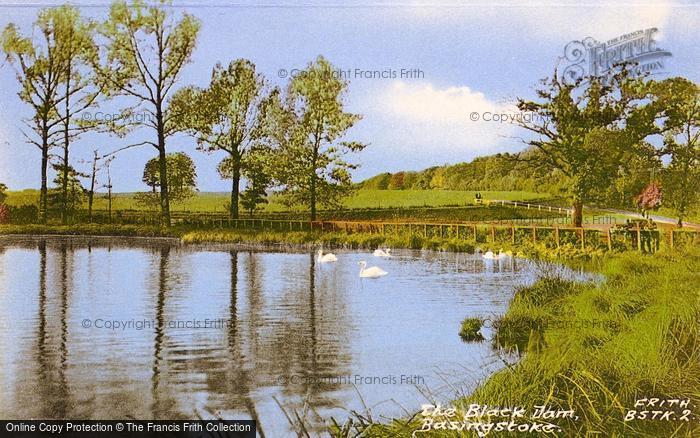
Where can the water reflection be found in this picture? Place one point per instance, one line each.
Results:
(220, 332)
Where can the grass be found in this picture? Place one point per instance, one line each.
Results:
(418, 198)
(215, 201)
(470, 329)
(90, 230)
(598, 348)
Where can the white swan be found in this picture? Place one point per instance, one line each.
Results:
(489, 255)
(373, 272)
(326, 258)
(382, 253)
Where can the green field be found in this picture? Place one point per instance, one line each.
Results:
(215, 201)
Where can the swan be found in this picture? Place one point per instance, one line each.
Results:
(489, 255)
(382, 253)
(373, 272)
(325, 258)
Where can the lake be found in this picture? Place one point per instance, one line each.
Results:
(108, 328)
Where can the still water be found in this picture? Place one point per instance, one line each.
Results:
(98, 328)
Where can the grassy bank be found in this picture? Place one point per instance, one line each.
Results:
(91, 230)
(597, 349)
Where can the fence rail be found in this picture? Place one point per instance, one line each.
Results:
(599, 237)
(531, 206)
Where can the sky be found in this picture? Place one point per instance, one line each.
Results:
(418, 71)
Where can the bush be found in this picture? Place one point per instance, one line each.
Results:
(4, 214)
(470, 329)
(24, 214)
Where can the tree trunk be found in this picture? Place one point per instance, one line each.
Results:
(235, 186)
(91, 193)
(312, 187)
(66, 145)
(44, 192)
(164, 196)
(578, 213)
(64, 186)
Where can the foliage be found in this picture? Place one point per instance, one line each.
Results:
(470, 328)
(257, 172)
(3, 194)
(493, 172)
(182, 178)
(38, 66)
(24, 214)
(649, 198)
(681, 178)
(4, 214)
(311, 152)
(69, 201)
(144, 56)
(588, 129)
(225, 116)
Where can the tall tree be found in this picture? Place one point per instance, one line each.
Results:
(681, 178)
(224, 116)
(79, 87)
(146, 52)
(587, 129)
(312, 168)
(38, 64)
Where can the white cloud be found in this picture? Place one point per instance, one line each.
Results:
(454, 122)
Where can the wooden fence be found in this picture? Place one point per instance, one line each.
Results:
(603, 237)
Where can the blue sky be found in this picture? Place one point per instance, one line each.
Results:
(472, 57)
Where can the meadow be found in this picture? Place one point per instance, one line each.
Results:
(215, 202)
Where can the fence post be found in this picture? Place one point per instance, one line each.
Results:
(583, 238)
(493, 234)
(475, 233)
(671, 239)
(556, 235)
(534, 234)
(639, 240)
(512, 234)
(609, 235)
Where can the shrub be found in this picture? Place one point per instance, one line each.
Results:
(24, 214)
(470, 329)
(4, 214)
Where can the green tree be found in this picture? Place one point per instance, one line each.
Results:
(224, 117)
(257, 172)
(681, 178)
(397, 181)
(182, 178)
(145, 53)
(67, 203)
(38, 65)
(588, 129)
(79, 87)
(312, 168)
